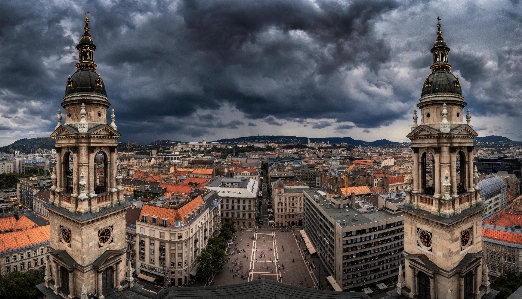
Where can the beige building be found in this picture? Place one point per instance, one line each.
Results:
(169, 240)
(443, 209)
(86, 206)
(239, 204)
(288, 203)
(357, 248)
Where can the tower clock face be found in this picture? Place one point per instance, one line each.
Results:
(465, 237)
(104, 235)
(424, 238)
(66, 235)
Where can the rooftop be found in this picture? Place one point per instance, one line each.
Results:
(348, 215)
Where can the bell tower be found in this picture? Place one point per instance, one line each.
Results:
(443, 209)
(86, 207)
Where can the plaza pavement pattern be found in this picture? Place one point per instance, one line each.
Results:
(265, 253)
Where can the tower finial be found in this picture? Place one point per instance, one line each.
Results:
(86, 28)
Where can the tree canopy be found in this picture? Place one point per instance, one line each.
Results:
(21, 285)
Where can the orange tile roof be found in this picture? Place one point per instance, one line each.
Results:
(176, 188)
(199, 182)
(357, 190)
(510, 237)
(251, 170)
(7, 223)
(171, 214)
(505, 219)
(24, 223)
(395, 179)
(23, 238)
(205, 171)
(154, 178)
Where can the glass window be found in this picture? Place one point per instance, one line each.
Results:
(151, 232)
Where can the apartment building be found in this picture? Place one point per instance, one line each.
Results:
(23, 244)
(239, 199)
(357, 248)
(168, 240)
(287, 203)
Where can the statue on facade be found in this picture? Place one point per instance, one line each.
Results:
(113, 120)
(444, 124)
(82, 184)
(84, 292)
(59, 118)
(476, 178)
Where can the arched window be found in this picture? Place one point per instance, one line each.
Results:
(461, 172)
(67, 172)
(100, 172)
(427, 175)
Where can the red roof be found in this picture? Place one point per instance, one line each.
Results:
(24, 238)
(171, 214)
(396, 179)
(506, 236)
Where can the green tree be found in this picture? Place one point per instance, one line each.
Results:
(21, 285)
(507, 284)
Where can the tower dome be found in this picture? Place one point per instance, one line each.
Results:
(441, 80)
(85, 79)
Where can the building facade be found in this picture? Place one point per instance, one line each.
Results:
(357, 249)
(493, 191)
(288, 203)
(443, 208)
(239, 200)
(168, 240)
(86, 206)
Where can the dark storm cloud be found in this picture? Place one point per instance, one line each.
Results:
(344, 127)
(193, 68)
(271, 121)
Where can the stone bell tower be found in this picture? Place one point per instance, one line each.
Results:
(443, 209)
(86, 207)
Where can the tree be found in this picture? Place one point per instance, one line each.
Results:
(21, 285)
(507, 284)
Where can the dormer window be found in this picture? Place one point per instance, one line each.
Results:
(164, 222)
(144, 218)
(154, 219)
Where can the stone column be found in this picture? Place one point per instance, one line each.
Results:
(433, 287)
(92, 173)
(415, 170)
(478, 280)
(436, 173)
(117, 277)
(59, 170)
(445, 160)
(71, 284)
(414, 282)
(469, 178)
(453, 171)
(99, 286)
(56, 276)
(461, 287)
(76, 170)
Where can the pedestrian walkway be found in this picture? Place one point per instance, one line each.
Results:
(266, 253)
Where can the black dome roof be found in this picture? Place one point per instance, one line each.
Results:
(441, 81)
(85, 80)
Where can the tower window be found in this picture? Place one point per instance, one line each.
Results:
(99, 114)
(458, 114)
(427, 115)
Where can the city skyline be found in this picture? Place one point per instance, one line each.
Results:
(223, 69)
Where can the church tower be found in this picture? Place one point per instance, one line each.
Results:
(443, 209)
(86, 207)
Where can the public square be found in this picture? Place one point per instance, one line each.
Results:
(265, 253)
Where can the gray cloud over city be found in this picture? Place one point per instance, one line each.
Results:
(190, 70)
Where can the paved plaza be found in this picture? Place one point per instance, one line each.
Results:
(266, 253)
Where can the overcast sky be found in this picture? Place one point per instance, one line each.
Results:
(193, 70)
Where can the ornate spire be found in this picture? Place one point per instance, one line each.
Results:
(440, 52)
(86, 48)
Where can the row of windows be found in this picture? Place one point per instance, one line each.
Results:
(371, 257)
(372, 229)
(373, 237)
(239, 208)
(22, 265)
(239, 215)
(372, 244)
(385, 261)
(22, 256)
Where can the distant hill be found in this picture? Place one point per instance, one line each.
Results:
(493, 138)
(304, 140)
(27, 146)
